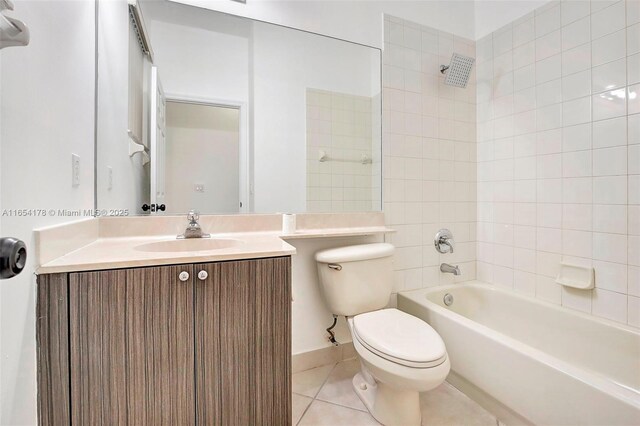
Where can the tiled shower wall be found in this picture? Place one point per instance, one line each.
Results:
(339, 126)
(559, 154)
(429, 148)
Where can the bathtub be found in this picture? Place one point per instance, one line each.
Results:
(533, 362)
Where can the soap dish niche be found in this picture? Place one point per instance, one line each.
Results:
(576, 276)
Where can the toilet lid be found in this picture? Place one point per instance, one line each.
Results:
(400, 337)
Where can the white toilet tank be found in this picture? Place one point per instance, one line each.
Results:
(356, 279)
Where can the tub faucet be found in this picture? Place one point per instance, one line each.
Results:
(450, 269)
(193, 229)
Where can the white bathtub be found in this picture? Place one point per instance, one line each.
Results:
(531, 361)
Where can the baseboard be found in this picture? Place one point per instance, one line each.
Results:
(319, 357)
(505, 414)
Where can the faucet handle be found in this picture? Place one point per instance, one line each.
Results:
(444, 237)
(193, 216)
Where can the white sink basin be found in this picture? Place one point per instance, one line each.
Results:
(189, 244)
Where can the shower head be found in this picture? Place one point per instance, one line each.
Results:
(458, 70)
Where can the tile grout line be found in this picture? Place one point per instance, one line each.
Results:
(313, 399)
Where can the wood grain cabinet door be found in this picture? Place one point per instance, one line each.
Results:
(243, 343)
(131, 347)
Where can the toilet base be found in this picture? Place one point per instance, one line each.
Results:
(389, 406)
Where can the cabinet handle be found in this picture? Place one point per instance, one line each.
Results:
(202, 275)
(184, 276)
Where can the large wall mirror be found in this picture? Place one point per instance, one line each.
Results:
(207, 111)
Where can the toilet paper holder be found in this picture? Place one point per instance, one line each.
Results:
(13, 257)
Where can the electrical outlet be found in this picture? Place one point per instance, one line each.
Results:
(198, 187)
(109, 177)
(75, 170)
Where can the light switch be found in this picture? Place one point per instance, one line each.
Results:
(198, 187)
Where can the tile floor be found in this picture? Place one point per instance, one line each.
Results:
(324, 396)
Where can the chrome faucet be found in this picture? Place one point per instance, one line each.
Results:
(444, 237)
(450, 269)
(193, 229)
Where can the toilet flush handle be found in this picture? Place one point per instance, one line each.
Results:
(335, 266)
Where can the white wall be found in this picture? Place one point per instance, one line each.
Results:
(130, 186)
(203, 147)
(559, 155)
(47, 97)
(196, 61)
(353, 20)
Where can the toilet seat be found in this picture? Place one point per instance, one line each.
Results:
(400, 338)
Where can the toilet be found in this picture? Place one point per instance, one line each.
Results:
(400, 355)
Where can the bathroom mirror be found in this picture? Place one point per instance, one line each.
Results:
(202, 110)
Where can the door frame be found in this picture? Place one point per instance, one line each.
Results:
(243, 148)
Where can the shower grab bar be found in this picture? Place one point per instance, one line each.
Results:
(323, 157)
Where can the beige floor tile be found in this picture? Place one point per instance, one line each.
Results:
(338, 388)
(299, 403)
(446, 405)
(308, 382)
(323, 413)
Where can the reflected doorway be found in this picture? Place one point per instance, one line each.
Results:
(202, 164)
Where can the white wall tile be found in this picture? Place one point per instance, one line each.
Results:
(577, 190)
(524, 55)
(634, 99)
(548, 45)
(608, 48)
(548, 290)
(549, 69)
(572, 10)
(610, 218)
(608, 20)
(609, 104)
(524, 32)
(576, 138)
(633, 39)
(610, 190)
(609, 76)
(579, 300)
(577, 111)
(610, 247)
(633, 12)
(633, 69)
(609, 133)
(611, 276)
(577, 59)
(610, 305)
(634, 311)
(549, 93)
(610, 161)
(576, 243)
(547, 21)
(576, 33)
(577, 217)
(577, 164)
(576, 85)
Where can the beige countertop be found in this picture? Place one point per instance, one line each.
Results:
(126, 252)
(91, 245)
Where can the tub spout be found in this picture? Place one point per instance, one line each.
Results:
(450, 269)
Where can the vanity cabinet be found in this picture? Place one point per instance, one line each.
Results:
(170, 345)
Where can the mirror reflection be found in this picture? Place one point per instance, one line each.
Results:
(229, 115)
